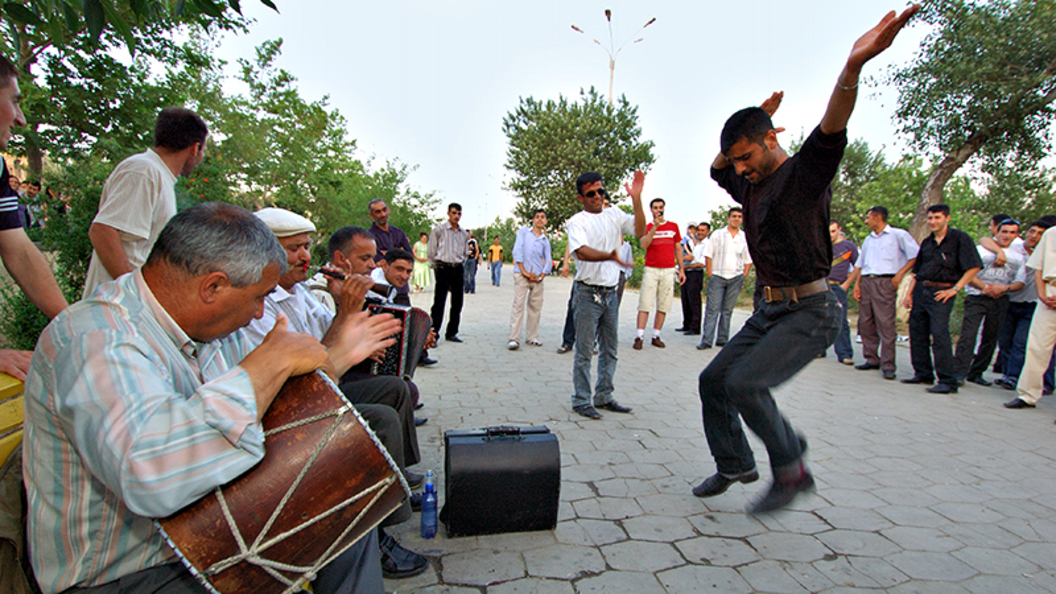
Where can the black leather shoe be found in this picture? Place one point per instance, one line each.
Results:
(416, 502)
(419, 406)
(1018, 403)
(1005, 383)
(702, 346)
(720, 344)
(587, 411)
(781, 493)
(692, 333)
(980, 381)
(561, 350)
(427, 362)
(414, 479)
(453, 339)
(419, 421)
(942, 389)
(918, 380)
(717, 484)
(614, 406)
(866, 367)
(398, 562)
(889, 374)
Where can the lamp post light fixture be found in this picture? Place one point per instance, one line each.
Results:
(612, 50)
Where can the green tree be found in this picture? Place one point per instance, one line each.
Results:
(982, 88)
(552, 142)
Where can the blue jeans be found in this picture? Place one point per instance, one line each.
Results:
(596, 311)
(469, 275)
(1014, 352)
(842, 346)
(496, 272)
(779, 339)
(722, 297)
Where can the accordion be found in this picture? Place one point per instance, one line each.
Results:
(402, 357)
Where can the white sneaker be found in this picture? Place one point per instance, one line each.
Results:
(513, 345)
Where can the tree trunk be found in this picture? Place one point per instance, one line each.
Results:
(933, 188)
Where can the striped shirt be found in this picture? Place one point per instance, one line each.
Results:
(532, 251)
(9, 215)
(604, 232)
(447, 244)
(728, 252)
(127, 419)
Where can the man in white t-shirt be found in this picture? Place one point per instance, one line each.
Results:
(139, 196)
(595, 237)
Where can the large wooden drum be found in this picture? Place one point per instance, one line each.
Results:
(325, 481)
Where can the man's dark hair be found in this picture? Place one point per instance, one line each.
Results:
(835, 222)
(1007, 223)
(8, 70)
(496, 237)
(1045, 222)
(398, 254)
(178, 128)
(537, 211)
(708, 225)
(585, 180)
(944, 209)
(998, 218)
(370, 205)
(655, 200)
(751, 124)
(35, 184)
(341, 240)
(455, 206)
(221, 237)
(736, 209)
(880, 210)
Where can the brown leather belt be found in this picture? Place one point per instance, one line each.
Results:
(772, 294)
(937, 285)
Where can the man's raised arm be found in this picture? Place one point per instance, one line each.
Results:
(868, 46)
(635, 190)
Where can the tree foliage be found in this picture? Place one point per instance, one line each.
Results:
(552, 142)
(981, 88)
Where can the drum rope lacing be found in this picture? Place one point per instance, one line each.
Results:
(252, 554)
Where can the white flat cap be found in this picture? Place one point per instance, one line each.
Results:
(284, 223)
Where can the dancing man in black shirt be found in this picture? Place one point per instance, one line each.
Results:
(786, 213)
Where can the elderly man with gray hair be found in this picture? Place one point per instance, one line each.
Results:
(158, 363)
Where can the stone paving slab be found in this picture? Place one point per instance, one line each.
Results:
(917, 493)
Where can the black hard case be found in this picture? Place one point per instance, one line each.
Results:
(500, 479)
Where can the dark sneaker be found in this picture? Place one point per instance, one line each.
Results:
(782, 492)
(398, 562)
(587, 411)
(614, 406)
(1018, 403)
(717, 484)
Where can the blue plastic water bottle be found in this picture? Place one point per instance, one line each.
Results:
(429, 507)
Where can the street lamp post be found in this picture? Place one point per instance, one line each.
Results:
(612, 51)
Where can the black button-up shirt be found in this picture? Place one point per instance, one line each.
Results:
(786, 215)
(946, 262)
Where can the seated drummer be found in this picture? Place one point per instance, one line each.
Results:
(292, 299)
(146, 396)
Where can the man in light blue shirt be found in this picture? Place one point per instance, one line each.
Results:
(532, 263)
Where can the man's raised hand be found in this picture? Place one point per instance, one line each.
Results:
(634, 188)
(879, 38)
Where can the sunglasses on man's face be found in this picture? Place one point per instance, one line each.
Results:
(600, 192)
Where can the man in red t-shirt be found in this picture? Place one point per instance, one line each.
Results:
(662, 243)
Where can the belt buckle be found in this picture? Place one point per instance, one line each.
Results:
(768, 295)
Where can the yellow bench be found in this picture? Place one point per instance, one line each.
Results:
(10, 415)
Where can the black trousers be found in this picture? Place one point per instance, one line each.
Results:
(779, 339)
(990, 312)
(929, 335)
(691, 305)
(449, 279)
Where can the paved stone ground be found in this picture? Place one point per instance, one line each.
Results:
(916, 492)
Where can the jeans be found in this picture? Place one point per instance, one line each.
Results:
(469, 272)
(929, 334)
(691, 292)
(496, 273)
(842, 346)
(449, 279)
(779, 339)
(722, 297)
(1017, 326)
(568, 336)
(596, 311)
(990, 313)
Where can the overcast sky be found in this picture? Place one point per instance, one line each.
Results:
(429, 83)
